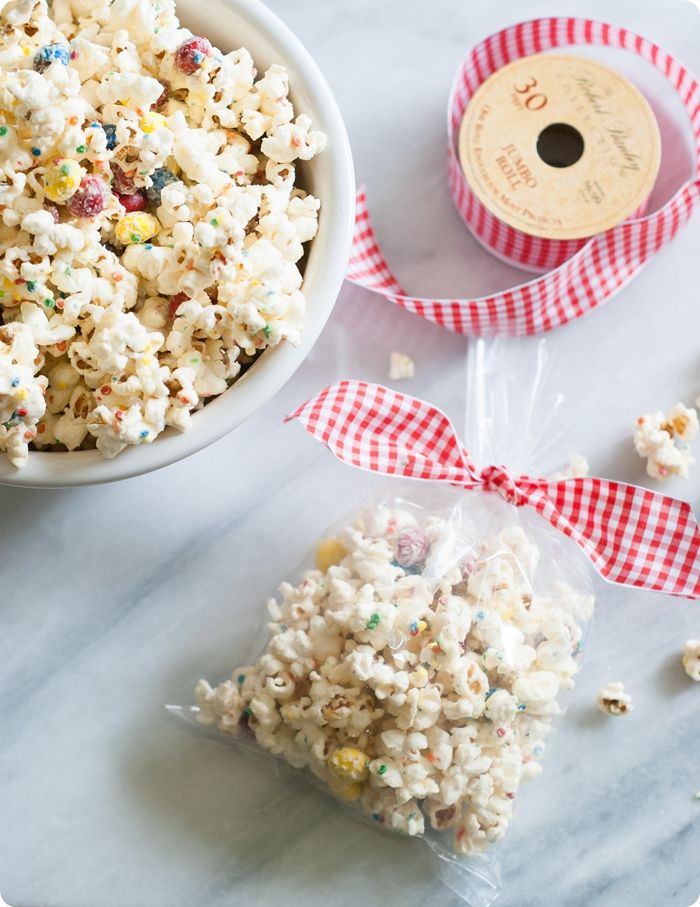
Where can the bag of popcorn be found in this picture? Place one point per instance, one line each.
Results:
(415, 669)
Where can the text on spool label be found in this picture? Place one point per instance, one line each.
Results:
(514, 168)
(534, 101)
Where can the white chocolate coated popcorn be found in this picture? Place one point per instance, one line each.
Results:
(691, 659)
(576, 468)
(401, 366)
(424, 700)
(151, 228)
(22, 402)
(664, 441)
(613, 700)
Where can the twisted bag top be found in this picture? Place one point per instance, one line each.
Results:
(599, 267)
(632, 536)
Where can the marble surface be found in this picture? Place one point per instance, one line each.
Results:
(114, 600)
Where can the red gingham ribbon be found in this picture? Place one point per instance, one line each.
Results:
(632, 536)
(586, 273)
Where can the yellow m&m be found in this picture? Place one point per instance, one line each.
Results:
(330, 552)
(136, 227)
(343, 791)
(62, 179)
(349, 764)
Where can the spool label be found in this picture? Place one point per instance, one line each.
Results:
(559, 146)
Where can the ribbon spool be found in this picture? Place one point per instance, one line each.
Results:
(556, 149)
(597, 267)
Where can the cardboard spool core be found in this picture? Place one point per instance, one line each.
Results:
(559, 146)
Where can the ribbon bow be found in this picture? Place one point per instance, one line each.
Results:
(631, 535)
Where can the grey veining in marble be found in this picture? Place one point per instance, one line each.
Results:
(115, 599)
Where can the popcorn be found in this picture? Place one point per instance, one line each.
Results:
(289, 141)
(70, 428)
(133, 181)
(151, 121)
(665, 440)
(576, 468)
(400, 366)
(421, 700)
(612, 699)
(691, 659)
(22, 401)
(537, 689)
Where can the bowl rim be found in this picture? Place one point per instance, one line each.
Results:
(258, 385)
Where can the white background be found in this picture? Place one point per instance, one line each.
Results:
(114, 600)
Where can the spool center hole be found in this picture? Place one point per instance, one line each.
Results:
(560, 145)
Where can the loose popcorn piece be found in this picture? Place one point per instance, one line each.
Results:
(423, 693)
(691, 659)
(612, 699)
(665, 440)
(576, 468)
(139, 165)
(400, 366)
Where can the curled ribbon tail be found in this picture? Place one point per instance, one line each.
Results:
(631, 535)
(380, 430)
(367, 266)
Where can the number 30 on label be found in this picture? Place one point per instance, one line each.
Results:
(533, 100)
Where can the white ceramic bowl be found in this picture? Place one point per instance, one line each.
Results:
(230, 24)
